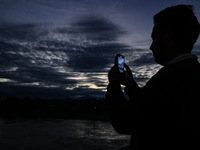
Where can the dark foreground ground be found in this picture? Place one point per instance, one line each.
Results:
(58, 134)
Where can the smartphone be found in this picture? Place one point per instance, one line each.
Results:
(119, 61)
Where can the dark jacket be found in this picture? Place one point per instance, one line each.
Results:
(165, 113)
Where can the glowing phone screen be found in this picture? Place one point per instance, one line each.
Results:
(121, 63)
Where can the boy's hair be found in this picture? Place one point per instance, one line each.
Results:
(182, 21)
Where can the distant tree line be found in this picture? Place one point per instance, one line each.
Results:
(90, 109)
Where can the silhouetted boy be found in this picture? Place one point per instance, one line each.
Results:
(165, 113)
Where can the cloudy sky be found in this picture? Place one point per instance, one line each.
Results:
(64, 48)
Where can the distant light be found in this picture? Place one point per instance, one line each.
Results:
(6, 80)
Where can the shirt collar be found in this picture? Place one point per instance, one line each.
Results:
(182, 57)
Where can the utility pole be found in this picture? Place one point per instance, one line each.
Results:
(94, 108)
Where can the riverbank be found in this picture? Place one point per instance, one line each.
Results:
(88, 109)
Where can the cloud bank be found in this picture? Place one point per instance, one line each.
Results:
(67, 60)
(72, 59)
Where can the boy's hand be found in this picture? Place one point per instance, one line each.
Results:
(125, 78)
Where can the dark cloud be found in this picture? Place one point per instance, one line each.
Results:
(98, 28)
(100, 39)
(40, 58)
(144, 59)
(21, 32)
(96, 58)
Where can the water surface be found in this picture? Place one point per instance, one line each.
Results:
(59, 134)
